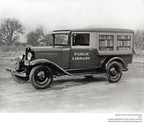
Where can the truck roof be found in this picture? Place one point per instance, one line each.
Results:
(118, 30)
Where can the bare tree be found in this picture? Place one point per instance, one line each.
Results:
(35, 37)
(10, 29)
(139, 39)
(48, 39)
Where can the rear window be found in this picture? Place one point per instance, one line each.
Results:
(123, 42)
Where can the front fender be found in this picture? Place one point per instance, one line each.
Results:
(39, 61)
(47, 62)
(118, 59)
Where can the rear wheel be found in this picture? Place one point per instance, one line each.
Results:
(41, 77)
(114, 71)
(15, 77)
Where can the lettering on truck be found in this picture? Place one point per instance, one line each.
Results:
(81, 56)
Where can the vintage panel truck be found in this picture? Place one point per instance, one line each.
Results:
(77, 52)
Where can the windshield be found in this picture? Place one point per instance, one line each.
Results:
(61, 39)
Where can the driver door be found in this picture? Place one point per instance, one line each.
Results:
(82, 55)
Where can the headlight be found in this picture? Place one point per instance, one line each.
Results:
(29, 56)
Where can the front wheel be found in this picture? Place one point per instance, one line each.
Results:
(41, 77)
(114, 71)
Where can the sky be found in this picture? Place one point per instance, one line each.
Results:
(75, 14)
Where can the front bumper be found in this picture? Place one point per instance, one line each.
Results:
(20, 74)
(23, 67)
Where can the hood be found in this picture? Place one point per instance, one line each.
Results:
(54, 54)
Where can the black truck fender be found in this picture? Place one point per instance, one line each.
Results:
(118, 59)
(49, 63)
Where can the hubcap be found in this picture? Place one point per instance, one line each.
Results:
(114, 72)
(41, 77)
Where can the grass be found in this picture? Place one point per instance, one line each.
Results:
(12, 48)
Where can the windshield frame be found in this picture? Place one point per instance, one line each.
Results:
(61, 33)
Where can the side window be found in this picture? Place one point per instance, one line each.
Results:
(81, 39)
(106, 42)
(123, 42)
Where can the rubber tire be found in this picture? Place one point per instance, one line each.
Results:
(18, 78)
(108, 75)
(33, 79)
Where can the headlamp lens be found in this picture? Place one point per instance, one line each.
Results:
(29, 56)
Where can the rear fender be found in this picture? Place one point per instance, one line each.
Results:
(49, 63)
(118, 59)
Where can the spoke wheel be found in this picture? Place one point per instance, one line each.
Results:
(114, 71)
(41, 77)
(18, 78)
